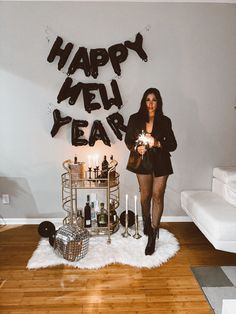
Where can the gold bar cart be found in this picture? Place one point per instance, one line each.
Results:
(82, 180)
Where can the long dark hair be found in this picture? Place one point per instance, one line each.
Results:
(143, 112)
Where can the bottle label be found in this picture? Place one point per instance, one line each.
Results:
(114, 218)
(87, 222)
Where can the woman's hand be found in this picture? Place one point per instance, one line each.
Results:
(141, 149)
(151, 140)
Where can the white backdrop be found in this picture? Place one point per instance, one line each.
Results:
(191, 50)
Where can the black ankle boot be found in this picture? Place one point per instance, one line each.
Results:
(146, 224)
(150, 248)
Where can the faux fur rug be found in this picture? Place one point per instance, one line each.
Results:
(127, 251)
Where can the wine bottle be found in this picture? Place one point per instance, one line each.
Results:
(88, 199)
(87, 214)
(105, 166)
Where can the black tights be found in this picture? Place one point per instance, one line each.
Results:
(152, 188)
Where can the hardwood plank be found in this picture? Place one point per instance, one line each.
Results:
(170, 288)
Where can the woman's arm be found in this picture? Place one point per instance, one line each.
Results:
(130, 136)
(168, 140)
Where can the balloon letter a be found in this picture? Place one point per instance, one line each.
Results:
(80, 61)
(98, 133)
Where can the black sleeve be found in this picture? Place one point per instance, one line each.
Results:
(130, 136)
(168, 140)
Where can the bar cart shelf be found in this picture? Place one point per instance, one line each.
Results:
(73, 181)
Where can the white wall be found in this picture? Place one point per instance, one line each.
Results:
(191, 50)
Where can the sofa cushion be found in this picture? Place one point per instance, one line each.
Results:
(227, 191)
(213, 215)
(225, 174)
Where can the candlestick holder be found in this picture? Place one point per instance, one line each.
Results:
(126, 234)
(97, 170)
(95, 173)
(136, 235)
(90, 172)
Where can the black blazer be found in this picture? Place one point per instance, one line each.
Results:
(160, 157)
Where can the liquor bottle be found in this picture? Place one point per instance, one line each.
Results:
(112, 166)
(87, 214)
(96, 207)
(112, 162)
(105, 166)
(113, 214)
(93, 214)
(102, 217)
(80, 218)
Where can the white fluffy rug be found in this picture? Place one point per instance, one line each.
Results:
(127, 251)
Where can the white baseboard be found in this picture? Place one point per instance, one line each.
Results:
(28, 221)
(37, 221)
(176, 219)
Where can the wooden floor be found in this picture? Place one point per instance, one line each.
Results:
(170, 288)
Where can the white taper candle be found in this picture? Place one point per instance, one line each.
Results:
(89, 161)
(126, 203)
(96, 160)
(135, 205)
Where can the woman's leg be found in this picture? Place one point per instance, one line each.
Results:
(159, 186)
(145, 186)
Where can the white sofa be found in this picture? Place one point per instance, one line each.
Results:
(214, 212)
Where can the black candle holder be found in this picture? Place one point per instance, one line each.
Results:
(97, 170)
(95, 173)
(90, 172)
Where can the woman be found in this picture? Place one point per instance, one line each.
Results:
(151, 160)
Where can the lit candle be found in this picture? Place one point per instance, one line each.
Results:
(126, 204)
(96, 160)
(89, 161)
(135, 205)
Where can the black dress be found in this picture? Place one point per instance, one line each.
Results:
(155, 161)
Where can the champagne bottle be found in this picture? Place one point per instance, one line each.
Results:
(102, 217)
(87, 214)
(105, 166)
